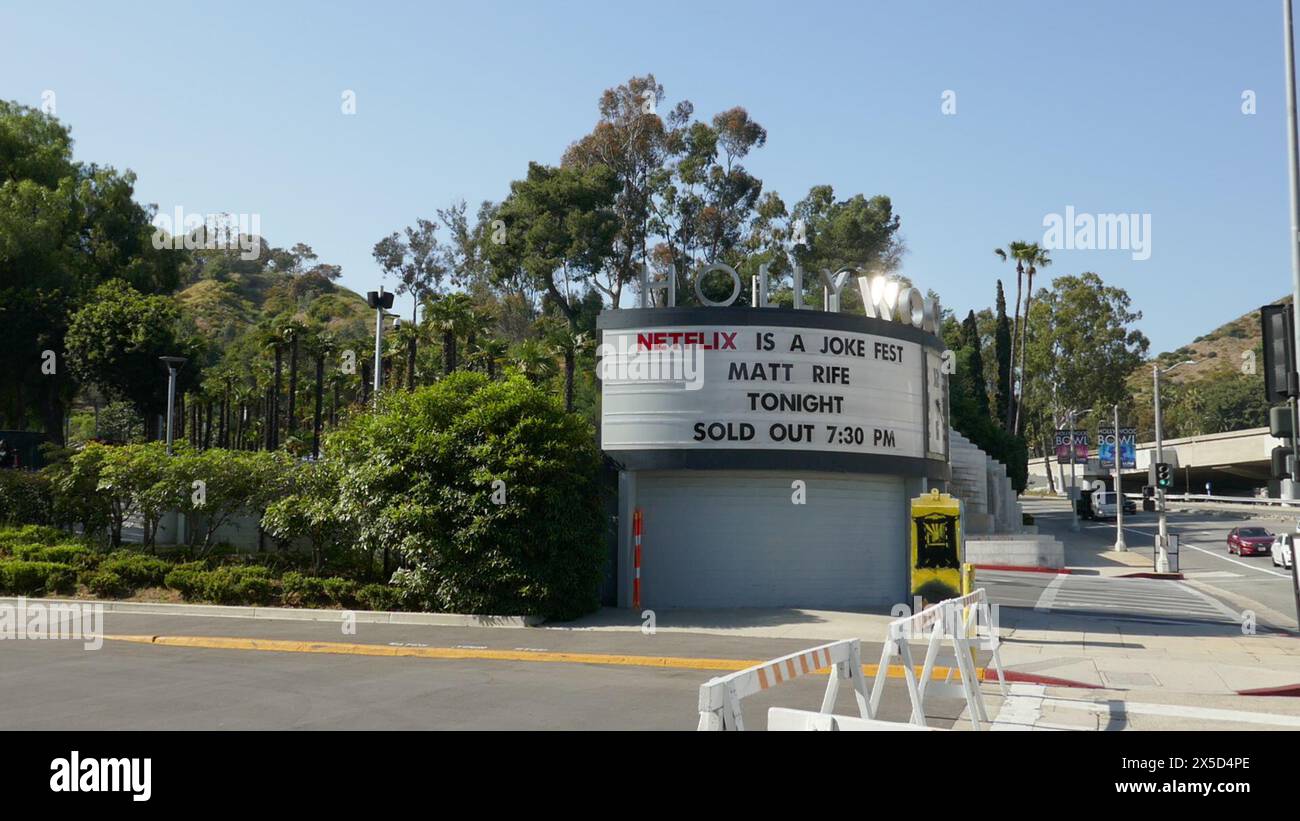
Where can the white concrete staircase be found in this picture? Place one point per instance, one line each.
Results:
(995, 529)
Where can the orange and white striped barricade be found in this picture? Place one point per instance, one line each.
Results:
(720, 697)
(953, 618)
(637, 524)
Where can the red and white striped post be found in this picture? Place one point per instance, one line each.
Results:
(636, 559)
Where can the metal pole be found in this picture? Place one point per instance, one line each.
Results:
(1120, 547)
(1293, 160)
(1162, 539)
(379, 341)
(171, 404)
(1074, 505)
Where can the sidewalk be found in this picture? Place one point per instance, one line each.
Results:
(1148, 675)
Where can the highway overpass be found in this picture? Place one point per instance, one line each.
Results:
(1236, 463)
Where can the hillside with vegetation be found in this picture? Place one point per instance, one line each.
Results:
(1212, 384)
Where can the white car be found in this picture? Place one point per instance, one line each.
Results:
(1103, 505)
(1282, 552)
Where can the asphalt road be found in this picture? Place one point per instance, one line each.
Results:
(125, 685)
(1239, 582)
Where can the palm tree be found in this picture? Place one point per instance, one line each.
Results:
(292, 331)
(566, 343)
(491, 351)
(323, 345)
(1034, 256)
(1017, 251)
(534, 360)
(480, 322)
(407, 337)
(273, 340)
(449, 314)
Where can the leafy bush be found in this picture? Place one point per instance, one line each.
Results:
(67, 553)
(233, 585)
(28, 578)
(299, 589)
(309, 509)
(185, 578)
(342, 592)
(31, 534)
(379, 597)
(234, 482)
(417, 478)
(135, 569)
(105, 584)
(25, 498)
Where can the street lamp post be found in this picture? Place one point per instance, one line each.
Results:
(173, 364)
(1120, 546)
(1293, 178)
(1162, 538)
(1074, 506)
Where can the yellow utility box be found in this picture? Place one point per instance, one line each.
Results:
(938, 547)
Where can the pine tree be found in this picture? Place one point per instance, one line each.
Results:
(1002, 349)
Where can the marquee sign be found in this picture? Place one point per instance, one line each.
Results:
(805, 387)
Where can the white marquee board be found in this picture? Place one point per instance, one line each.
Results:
(767, 387)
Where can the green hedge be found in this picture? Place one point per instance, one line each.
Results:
(29, 534)
(224, 585)
(61, 553)
(135, 569)
(28, 578)
(39, 560)
(105, 584)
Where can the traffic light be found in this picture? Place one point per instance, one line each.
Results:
(1164, 475)
(1279, 351)
(1279, 421)
(1281, 463)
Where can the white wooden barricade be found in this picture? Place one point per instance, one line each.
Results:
(782, 718)
(957, 618)
(720, 697)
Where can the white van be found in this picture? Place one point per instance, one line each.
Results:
(1103, 505)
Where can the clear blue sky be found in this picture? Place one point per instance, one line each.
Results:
(1108, 107)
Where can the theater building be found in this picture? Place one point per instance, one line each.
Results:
(772, 452)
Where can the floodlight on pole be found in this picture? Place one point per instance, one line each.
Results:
(380, 301)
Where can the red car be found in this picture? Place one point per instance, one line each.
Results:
(1250, 541)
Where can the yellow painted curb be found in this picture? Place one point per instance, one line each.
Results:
(350, 649)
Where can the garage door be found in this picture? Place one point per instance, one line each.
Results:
(735, 539)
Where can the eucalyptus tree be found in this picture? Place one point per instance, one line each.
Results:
(417, 259)
(631, 139)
